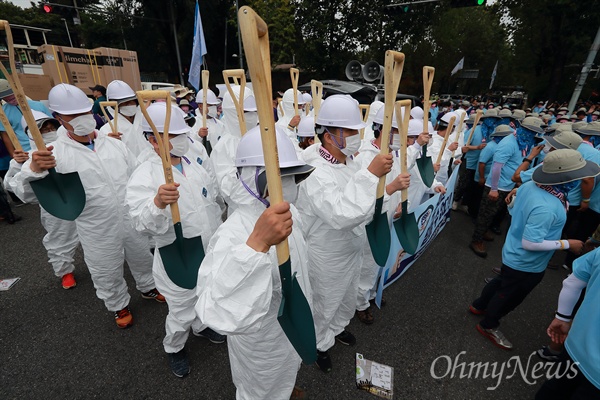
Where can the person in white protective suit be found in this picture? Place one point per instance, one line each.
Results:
(308, 107)
(289, 120)
(104, 228)
(239, 287)
(335, 202)
(61, 239)
(214, 127)
(148, 198)
(373, 109)
(395, 181)
(306, 133)
(418, 191)
(128, 119)
(452, 145)
(223, 155)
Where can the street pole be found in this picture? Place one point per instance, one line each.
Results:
(176, 43)
(585, 70)
(237, 7)
(68, 33)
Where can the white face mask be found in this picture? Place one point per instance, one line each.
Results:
(352, 145)
(212, 112)
(547, 148)
(290, 189)
(83, 125)
(49, 137)
(251, 118)
(395, 146)
(181, 145)
(128, 111)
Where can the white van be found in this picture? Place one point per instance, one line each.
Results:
(158, 86)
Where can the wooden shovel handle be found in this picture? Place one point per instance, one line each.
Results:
(295, 75)
(448, 132)
(256, 47)
(240, 78)
(113, 123)
(9, 131)
(205, 76)
(403, 125)
(144, 98)
(394, 64)
(459, 130)
(428, 73)
(475, 123)
(15, 84)
(364, 110)
(316, 88)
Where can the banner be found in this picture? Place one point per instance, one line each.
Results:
(198, 51)
(432, 217)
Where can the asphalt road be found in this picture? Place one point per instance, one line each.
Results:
(59, 343)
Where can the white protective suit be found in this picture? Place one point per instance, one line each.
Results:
(335, 202)
(216, 128)
(200, 216)
(104, 227)
(287, 104)
(375, 106)
(433, 149)
(239, 294)
(132, 134)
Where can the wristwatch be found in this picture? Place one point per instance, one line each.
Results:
(526, 160)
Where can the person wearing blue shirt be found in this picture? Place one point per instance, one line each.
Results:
(539, 108)
(581, 335)
(538, 216)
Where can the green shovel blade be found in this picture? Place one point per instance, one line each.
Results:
(295, 316)
(407, 230)
(62, 195)
(182, 259)
(379, 235)
(426, 168)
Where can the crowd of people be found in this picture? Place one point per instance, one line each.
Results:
(536, 167)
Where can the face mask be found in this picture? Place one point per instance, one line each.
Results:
(245, 177)
(547, 148)
(181, 145)
(83, 125)
(566, 187)
(352, 144)
(497, 139)
(212, 111)
(128, 111)
(290, 189)
(251, 118)
(49, 137)
(395, 146)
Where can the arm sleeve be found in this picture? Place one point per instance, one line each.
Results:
(545, 245)
(496, 171)
(569, 295)
(21, 186)
(145, 215)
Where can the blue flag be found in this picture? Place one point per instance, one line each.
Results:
(198, 51)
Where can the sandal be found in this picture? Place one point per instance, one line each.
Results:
(365, 316)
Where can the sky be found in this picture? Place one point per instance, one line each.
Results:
(21, 3)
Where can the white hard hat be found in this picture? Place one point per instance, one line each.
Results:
(340, 111)
(307, 97)
(417, 112)
(119, 91)
(288, 96)
(211, 98)
(40, 119)
(158, 112)
(446, 117)
(5, 89)
(415, 127)
(228, 102)
(460, 113)
(67, 99)
(306, 127)
(379, 117)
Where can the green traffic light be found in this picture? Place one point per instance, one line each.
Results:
(405, 9)
(480, 2)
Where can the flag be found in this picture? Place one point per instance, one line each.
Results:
(494, 74)
(458, 67)
(198, 51)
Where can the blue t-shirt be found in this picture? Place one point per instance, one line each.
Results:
(472, 156)
(526, 175)
(583, 342)
(486, 156)
(507, 153)
(13, 113)
(536, 216)
(589, 153)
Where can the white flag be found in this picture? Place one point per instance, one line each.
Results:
(494, 74)
(458, 67)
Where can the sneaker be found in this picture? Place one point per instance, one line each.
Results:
(346, 338)
(497, 270)
(475, 311)
(154, 294)
(478, 248)
(365, 316)
(463, 209)
(324, 361)
(298, 393)
(123, 318)
(496, 337)
(179, 363)
(68, 281)
(566, 267)
(11, 218)
(488, 280)
(211, 335)
(548, 354)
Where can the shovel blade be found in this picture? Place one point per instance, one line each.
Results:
(407, 230)
(426, 168)
(182, 259)
(295, 316)
(379, 235)
(62, 195)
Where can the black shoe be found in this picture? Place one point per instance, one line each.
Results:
(179, 363)
(211, 335)
(324, 361)
(488, 280)
(11, 218)
(346, 338)
(496, 230)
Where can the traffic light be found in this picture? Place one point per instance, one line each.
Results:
(47, 8)
(466, 3)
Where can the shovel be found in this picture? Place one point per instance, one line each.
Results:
(237, 75)
(477, 118)
(364, 111)
(205, 76)
(295, 315)
(183, 257)
(62, 195)
(9, 131)
(378, 230)
(459, 131)
(316, 88)
(446, 136)
(406, 226)
(295, 76)
(424, 163)
(112, 123)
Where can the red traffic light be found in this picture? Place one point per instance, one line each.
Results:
(47, 8)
